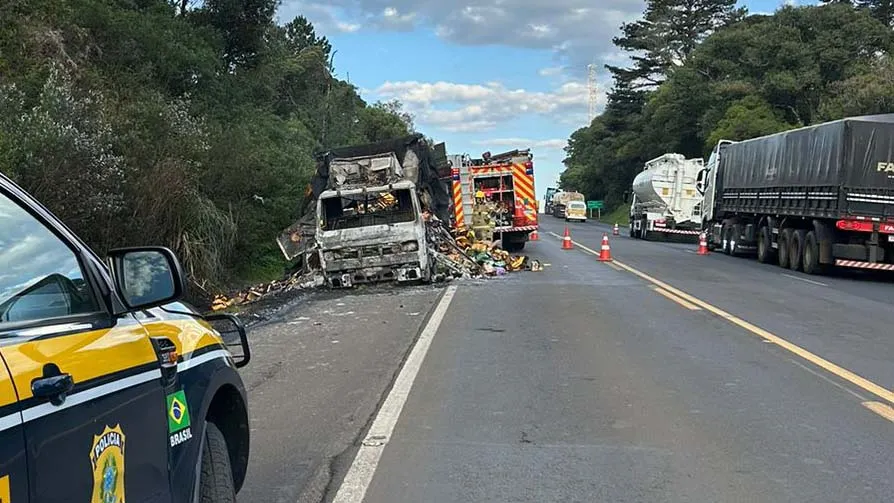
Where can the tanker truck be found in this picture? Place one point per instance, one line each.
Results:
(665, 198)
(807, 199)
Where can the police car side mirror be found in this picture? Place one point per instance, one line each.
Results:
(232, 331)
(147, 277)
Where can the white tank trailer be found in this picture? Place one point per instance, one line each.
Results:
(665, 200)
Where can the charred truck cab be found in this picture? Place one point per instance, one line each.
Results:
(806, 199)
(372, 234)
(370, 207)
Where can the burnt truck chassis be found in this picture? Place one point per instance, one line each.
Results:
(346, 273)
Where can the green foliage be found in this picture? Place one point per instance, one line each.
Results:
(760, 75)
(747, 118)
(668, 32)
(866, 93)
(174, 122)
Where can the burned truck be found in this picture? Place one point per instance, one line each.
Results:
(369, 203)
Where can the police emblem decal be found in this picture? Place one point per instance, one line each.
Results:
(107, 460)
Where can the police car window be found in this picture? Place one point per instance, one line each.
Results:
(40, 277)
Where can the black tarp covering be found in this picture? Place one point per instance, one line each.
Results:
(846, 153)
(427, 179)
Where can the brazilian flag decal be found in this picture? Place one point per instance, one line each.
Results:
(178, 412)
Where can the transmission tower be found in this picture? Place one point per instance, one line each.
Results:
(591, 90)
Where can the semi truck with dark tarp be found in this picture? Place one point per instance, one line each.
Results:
(807, 199)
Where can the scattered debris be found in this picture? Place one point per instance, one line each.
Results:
(457, 254)
(298, 281)
(463, 255)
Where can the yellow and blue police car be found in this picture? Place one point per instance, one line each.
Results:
(112, 390)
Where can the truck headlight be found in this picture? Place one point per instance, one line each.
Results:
(328, 255)
(410, 246)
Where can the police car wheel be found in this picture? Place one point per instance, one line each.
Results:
(217, 475)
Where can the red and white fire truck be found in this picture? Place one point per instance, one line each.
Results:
(505, 179)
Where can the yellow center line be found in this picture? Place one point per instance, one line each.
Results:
(678, 300)
(886, 411)
(830, 367)
(843, 373)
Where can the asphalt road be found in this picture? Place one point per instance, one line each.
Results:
(846, 318)
(585, 383)
(319, 369)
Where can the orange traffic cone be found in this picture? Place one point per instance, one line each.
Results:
(534, 236)
(566, 240)
(702, 244)
(615, 231)
(605, 254)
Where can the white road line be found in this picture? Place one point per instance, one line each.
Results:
(353, 488)
(804, 280)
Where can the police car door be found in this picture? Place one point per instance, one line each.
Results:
(88, 383)
(13, 472)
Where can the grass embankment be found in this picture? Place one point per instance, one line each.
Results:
(619, 215)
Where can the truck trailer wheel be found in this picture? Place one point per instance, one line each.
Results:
(764, 246)
(725, 233)
(735, 235)
(811, 254)
(796, 250)
(785, 238)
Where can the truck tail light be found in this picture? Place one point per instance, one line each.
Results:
(854, 225)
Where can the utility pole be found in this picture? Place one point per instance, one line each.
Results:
(591, 90)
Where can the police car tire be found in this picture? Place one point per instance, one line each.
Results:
(217, 475)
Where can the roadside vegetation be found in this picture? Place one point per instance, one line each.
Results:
(704, 71)
(177, 122)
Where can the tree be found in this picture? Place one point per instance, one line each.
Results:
(181, 123)
(863, 94)
(300, 35)
(667, 34)
(747, 118)
(242, 25)
(760, 75)
(396, 108)
(883, 10)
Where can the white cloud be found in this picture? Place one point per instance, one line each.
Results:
(551, 71)
(393, 19)
(346, 27)
(481, 107)
(324, 16)
(576, 30)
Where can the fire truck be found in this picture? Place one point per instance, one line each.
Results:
(507, 180)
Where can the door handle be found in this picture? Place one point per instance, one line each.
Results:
(53, 387)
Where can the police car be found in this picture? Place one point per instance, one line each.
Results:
(111, 389)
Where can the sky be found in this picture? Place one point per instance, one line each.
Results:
(482, 75)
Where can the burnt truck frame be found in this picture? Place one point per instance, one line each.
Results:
(807, 199)
(365, 247)
(369, 204)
